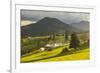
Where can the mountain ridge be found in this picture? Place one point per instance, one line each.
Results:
(47, 26)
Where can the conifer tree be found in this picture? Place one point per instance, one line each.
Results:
(74, 43)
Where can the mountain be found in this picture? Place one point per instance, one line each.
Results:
(47, 26)
(83, 25)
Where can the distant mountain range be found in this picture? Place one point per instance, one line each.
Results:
(49, 25)
(83, 25)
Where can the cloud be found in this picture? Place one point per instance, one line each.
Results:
(26, 22)
(67, 17)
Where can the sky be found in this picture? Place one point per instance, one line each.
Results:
(32, 16)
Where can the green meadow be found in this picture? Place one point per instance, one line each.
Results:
(52, 48)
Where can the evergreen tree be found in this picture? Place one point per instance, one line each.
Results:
(74, 43)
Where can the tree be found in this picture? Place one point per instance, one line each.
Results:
(66, 37)
(53, 36)
(74, 43)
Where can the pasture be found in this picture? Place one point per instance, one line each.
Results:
(51, 48)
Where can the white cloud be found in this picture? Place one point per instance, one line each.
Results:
(26, 22)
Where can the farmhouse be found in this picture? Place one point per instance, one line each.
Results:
(50, 46)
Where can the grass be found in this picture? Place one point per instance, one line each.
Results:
(35, 55)
(42, 55)
(56, 55)
(81, 55)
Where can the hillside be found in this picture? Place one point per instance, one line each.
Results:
(56, 55)
(83, 25)
(47, 26)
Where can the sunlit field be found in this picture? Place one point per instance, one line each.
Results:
(52, 48)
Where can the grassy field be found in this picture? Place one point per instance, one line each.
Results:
(41, 55)
(30, 49)
(56, 55)
(80, 55)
